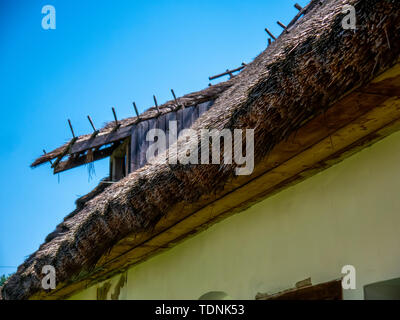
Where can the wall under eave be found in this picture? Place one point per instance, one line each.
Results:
(347, 214)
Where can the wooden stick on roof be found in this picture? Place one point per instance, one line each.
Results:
(155, 102)
(228, 72)
(95, 132)
(72, 129)
(64, 153)
(44, 152)
(176, 101)
(67, 148)
(282, 25)
(136, 110)
(298, 7)
(302, 11)
(115, 118)
(91, 123)
(270, 33)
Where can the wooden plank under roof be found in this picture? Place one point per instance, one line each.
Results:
(109, 133)
(185, 117)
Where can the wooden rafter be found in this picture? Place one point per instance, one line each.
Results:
(102, 139)
(65, 152)
(78, 160)
(331, 290)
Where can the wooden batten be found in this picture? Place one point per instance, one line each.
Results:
(102, 139)
(65, 151)
(331, 290)
(184, 117)
(75, 161)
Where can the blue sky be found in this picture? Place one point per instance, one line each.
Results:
(102, 54)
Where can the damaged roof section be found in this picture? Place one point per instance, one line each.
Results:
(102, 143)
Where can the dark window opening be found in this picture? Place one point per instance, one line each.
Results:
(119, 161)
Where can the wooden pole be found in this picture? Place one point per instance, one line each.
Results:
(155, 102)
(173, 94)
(115, 117)
(298, 7)
(44, 152)
(65, 152)
(175, 99)
(72, 129)
(230, 72)
(95, 132)
(301, 12)
(270, 33)
(136, 110)
(91, 123)
(282, 25)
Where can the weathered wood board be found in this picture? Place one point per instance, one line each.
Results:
(184, 118)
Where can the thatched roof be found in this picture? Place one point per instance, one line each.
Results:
(297, 78)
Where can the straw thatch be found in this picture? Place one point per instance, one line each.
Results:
(296, 78)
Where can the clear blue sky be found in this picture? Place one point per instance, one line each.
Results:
(102, 54)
